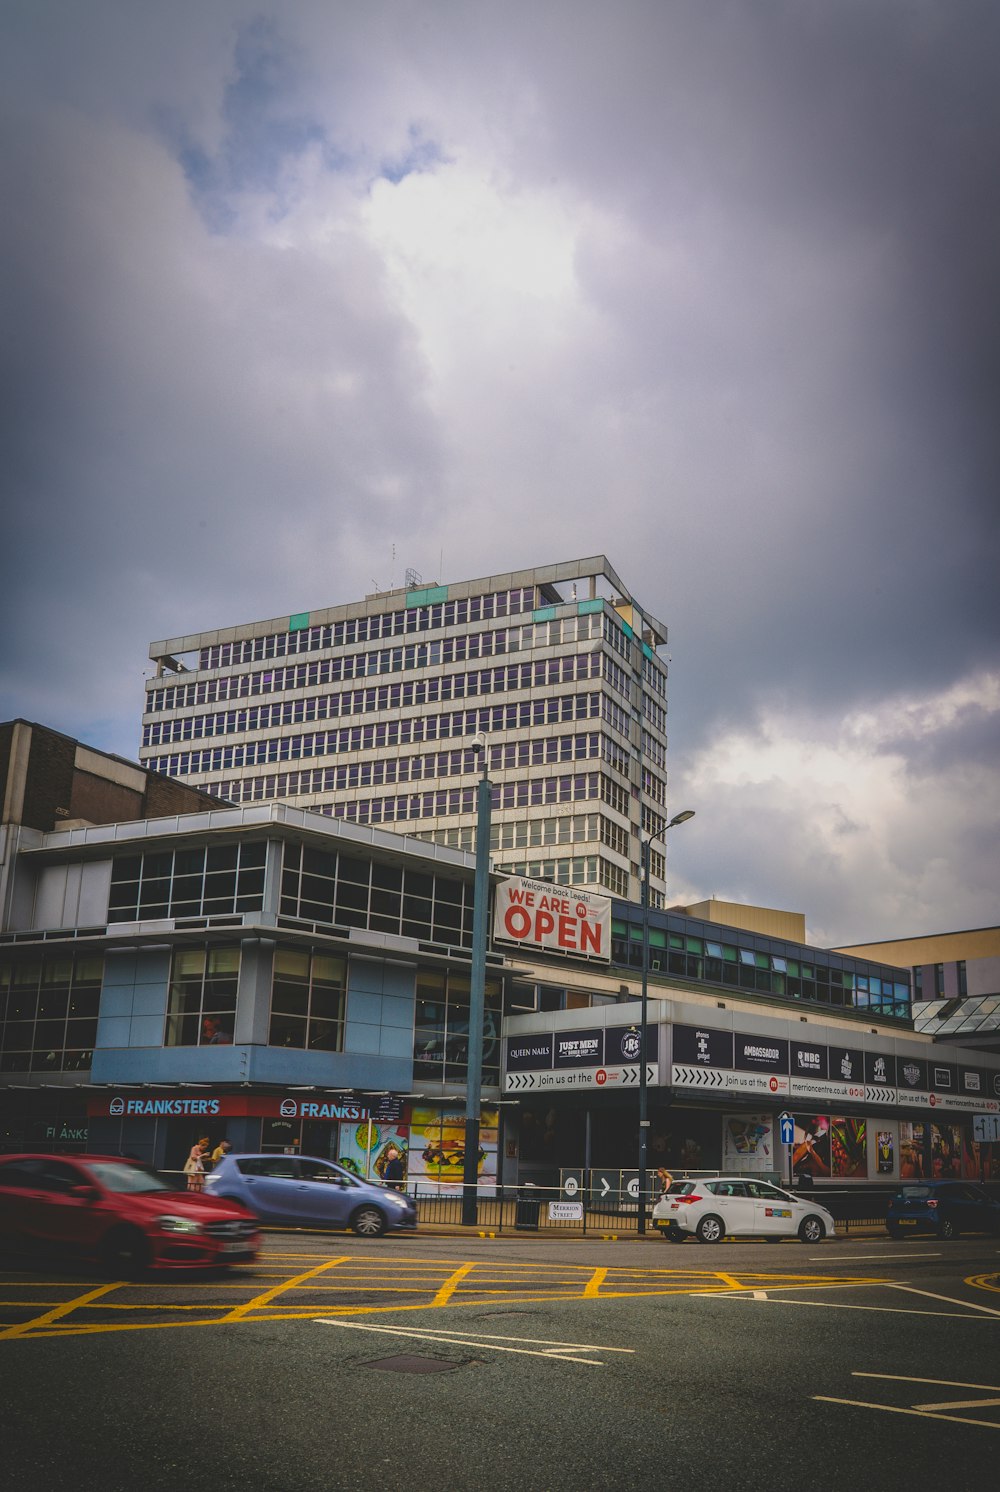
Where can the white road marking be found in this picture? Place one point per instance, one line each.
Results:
(950, 1419)
(831, 1305)
(559, 1351)
(909, 1254)
(928, 1411)
(986, 1388)
(948, 1299)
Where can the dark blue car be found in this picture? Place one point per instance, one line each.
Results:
(945, 1208)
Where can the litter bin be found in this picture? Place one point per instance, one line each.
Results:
(526, 1213)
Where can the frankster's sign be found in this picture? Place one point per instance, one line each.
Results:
(538, 915)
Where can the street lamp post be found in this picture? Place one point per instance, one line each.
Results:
(477, 992)
(678, 818)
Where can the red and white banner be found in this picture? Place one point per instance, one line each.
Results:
(538, 915)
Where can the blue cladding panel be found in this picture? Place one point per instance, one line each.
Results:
(146, 1030)
(362, 1006)
(396, 1043)
(361, 1038)
(397, 1013)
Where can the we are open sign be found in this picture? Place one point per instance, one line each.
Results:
(538, 915)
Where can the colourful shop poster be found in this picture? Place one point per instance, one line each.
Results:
(437, 1149)
(946, 1152)
(354, 1153)
(911, 1150)
(848, 1147)
(748, 1142)
(883, 1149)
(811, 1146)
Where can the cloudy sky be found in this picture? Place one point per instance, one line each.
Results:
(298, 295)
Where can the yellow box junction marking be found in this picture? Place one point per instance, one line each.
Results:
(473, 1283)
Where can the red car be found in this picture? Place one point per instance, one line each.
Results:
(119, 1212)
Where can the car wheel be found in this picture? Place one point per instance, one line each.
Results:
(711, 1229)
(125, 1252)
(893, 1230)
(772, 1237)
(947, 1229)
(673, 1235)
(811, 1229)
(368, 1222)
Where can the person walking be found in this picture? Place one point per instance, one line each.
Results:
(220, 1152)
(194, 1167)
(394, 1171)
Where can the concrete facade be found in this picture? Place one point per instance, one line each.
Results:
(367, 712)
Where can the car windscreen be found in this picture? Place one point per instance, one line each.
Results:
(681, 1189)
(914, 1193)
(117, 1176)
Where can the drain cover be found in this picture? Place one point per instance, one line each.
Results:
(411, 1364)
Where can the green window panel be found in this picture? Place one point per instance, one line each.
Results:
(429, 596)
(298, 622)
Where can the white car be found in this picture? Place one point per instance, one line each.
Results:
(709, 1210)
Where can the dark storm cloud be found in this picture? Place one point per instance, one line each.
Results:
(821, 179)
(237, 381)
(969, 741)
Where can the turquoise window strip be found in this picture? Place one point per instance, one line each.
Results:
(543, 614)
(298, 622)
(583, 606)
(647, 651)
(429, 596)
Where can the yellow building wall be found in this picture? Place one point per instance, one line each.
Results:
(937, 948)
(766, 920)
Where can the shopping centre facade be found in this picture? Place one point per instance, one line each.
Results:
(284, 980)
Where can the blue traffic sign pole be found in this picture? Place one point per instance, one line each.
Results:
(786, 1124)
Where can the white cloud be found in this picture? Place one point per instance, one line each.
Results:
(833, 818)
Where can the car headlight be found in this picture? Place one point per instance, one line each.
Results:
(173, 1224)
(399, 1201)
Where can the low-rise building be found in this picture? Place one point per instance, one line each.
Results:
(285, 980)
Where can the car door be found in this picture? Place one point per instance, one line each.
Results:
(734, 1205)
(775, 1214)
(20, 1193)
(271, 1187)
(969, 1208)
(325, 1195)
(64, 1219)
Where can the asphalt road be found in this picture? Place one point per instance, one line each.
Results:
(423, 1362)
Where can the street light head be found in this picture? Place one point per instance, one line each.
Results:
(681, 818)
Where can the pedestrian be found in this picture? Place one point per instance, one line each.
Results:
(394, 1171)
(220, 1152)
(194, 1167)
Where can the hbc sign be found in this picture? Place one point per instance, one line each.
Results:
(543, 916)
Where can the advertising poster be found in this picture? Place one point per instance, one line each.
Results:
(355, 1156)
(811, 1147)
(911, 1151)
(437, 1149)
(883, 1147)
(849, 1147)
(946, 1152)
(978, 1160)
(748, 1143)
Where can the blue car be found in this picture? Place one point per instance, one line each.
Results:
(945, 1208)
(302, 1191)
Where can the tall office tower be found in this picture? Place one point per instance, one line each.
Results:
(368, 712)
